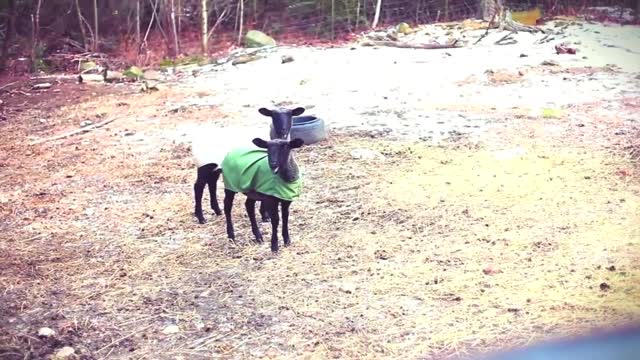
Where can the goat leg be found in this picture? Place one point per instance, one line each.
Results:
(272, 207)
(228, 204)
(212, 181)
(250, 205)
(264, 213)
(198, 190)
(285, 223)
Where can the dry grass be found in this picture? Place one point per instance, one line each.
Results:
(431, 252)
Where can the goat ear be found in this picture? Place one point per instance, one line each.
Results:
(296, 143)
(260, 143)
(297, 111)
(265, 111)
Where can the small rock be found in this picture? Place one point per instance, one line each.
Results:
(623, 172)
(86, 123)
(550, 63)
(287, 59)
(89, 211)
(46, 332)
(381, 254)
(129, 133)
(564, 48)
(491, 270)
(365, 154)
(171, 329)
(453, 297)
(64, 352)
(347, 288)
(611, 268)
(604, 286)
(199, 324)
(523, 55)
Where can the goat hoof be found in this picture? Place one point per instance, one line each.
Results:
(259, 240)
(201, 219)
(266, 219)
(287, 243)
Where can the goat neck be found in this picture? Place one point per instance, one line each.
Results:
(290, 171)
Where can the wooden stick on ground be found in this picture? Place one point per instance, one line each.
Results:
(7, 85)
(76, 132)
(507, 39)
(493, 18)
(124, 338)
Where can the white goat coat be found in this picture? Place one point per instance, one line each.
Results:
(211, 145)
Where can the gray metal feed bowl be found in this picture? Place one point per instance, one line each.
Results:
(309, 128)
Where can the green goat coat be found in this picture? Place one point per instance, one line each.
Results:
(247, 169)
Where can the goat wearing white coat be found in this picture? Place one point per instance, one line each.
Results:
(209, 149)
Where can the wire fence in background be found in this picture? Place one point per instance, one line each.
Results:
(326, 19)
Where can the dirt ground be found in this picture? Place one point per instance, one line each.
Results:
(423, 251)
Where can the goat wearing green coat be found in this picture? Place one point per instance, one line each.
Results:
(270, 176)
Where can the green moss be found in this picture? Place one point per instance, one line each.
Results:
(167, 63)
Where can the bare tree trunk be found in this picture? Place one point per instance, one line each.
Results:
(138, 39)
(154, 5)
(333, 19)
(96, 37)
(179, 16)
(376, 17)
(159, 8)
(205, 26)
(220, 19)
(241, 21)
(255, 12)
(83, 32)
(35, 35)
(11, 29)
(176, 42)
(446, 10)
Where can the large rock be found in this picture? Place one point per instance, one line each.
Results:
(403, 28)
(255, 38)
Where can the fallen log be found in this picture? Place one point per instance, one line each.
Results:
(404, 45)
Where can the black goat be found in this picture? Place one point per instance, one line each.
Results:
(208, 157)
(270, 176)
